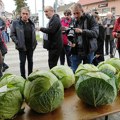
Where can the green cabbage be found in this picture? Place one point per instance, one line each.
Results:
(13, 80)
(10, 102)
(96, 88)
(83, 69)
(64, 74)
(44, 92)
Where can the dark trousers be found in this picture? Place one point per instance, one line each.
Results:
(65, 51)
(22, 56)
(53, 56)
(119, 52)
(108, 43)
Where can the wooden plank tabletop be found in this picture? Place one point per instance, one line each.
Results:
(72, 108)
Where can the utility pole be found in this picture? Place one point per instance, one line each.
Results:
(35, 7)
(43, 12)
(56, 4)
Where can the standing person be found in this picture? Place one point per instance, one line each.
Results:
(23, 35)
(3, 42)
(116, 34)
(53, 36)
(65, 21)
(109, 40)
(99, 54)
(84, 42)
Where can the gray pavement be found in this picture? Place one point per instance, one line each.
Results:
(40, 63)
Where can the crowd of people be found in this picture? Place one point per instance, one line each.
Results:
(78, 36)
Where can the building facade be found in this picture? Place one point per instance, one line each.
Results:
(102, 6)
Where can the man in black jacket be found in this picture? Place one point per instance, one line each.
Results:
(53, 35)
(23, 35)
(85, 37)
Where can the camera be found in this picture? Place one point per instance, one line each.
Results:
(71, 33)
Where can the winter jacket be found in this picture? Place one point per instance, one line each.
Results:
(54, 33)
(65, 23)
(89, 35)
(115, 29)
(17, 35)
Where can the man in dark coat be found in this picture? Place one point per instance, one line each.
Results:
(23, 35)
(85, 37)
(53, 35)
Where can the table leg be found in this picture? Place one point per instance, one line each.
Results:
(106, 117)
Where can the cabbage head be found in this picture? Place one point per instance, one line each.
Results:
(43, 91)
(107, 68)
(96, 88)
(64, 74)
(13, 80)
(115, 62)
(10, 102)
(84, 68)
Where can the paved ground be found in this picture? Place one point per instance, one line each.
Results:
(40, 62)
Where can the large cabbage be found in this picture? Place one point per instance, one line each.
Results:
(96, 88)
(107, 68)
(11, 90)
(10, 102)
(13, 80)
(84, 68)
(64, 74)
(115, 62)
(44, 92)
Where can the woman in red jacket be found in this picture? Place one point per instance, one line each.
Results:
(116, 34)
(65, 22)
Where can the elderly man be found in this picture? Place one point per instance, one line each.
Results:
(109, 40)
(53, 36)
(23, 35)
(85, 37)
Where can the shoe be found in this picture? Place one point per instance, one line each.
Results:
(4, 68)
(111, 56)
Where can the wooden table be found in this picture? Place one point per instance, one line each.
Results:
(72, 109)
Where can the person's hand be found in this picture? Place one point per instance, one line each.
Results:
(111, 26)
(37, 28)
(78, 30)
(73, 45)
(105, 26)
(97, 55)
(118, 35)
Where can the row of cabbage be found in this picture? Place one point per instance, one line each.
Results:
(43, 91)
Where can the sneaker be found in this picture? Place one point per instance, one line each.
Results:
(4, 68)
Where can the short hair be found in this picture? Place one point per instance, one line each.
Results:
(67, 12)
(77, 6)
(25, 8)
(49, 8)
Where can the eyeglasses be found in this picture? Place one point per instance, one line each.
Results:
(76, 13)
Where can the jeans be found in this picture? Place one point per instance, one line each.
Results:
(22, 56)
(77, 59)
(65, 51)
